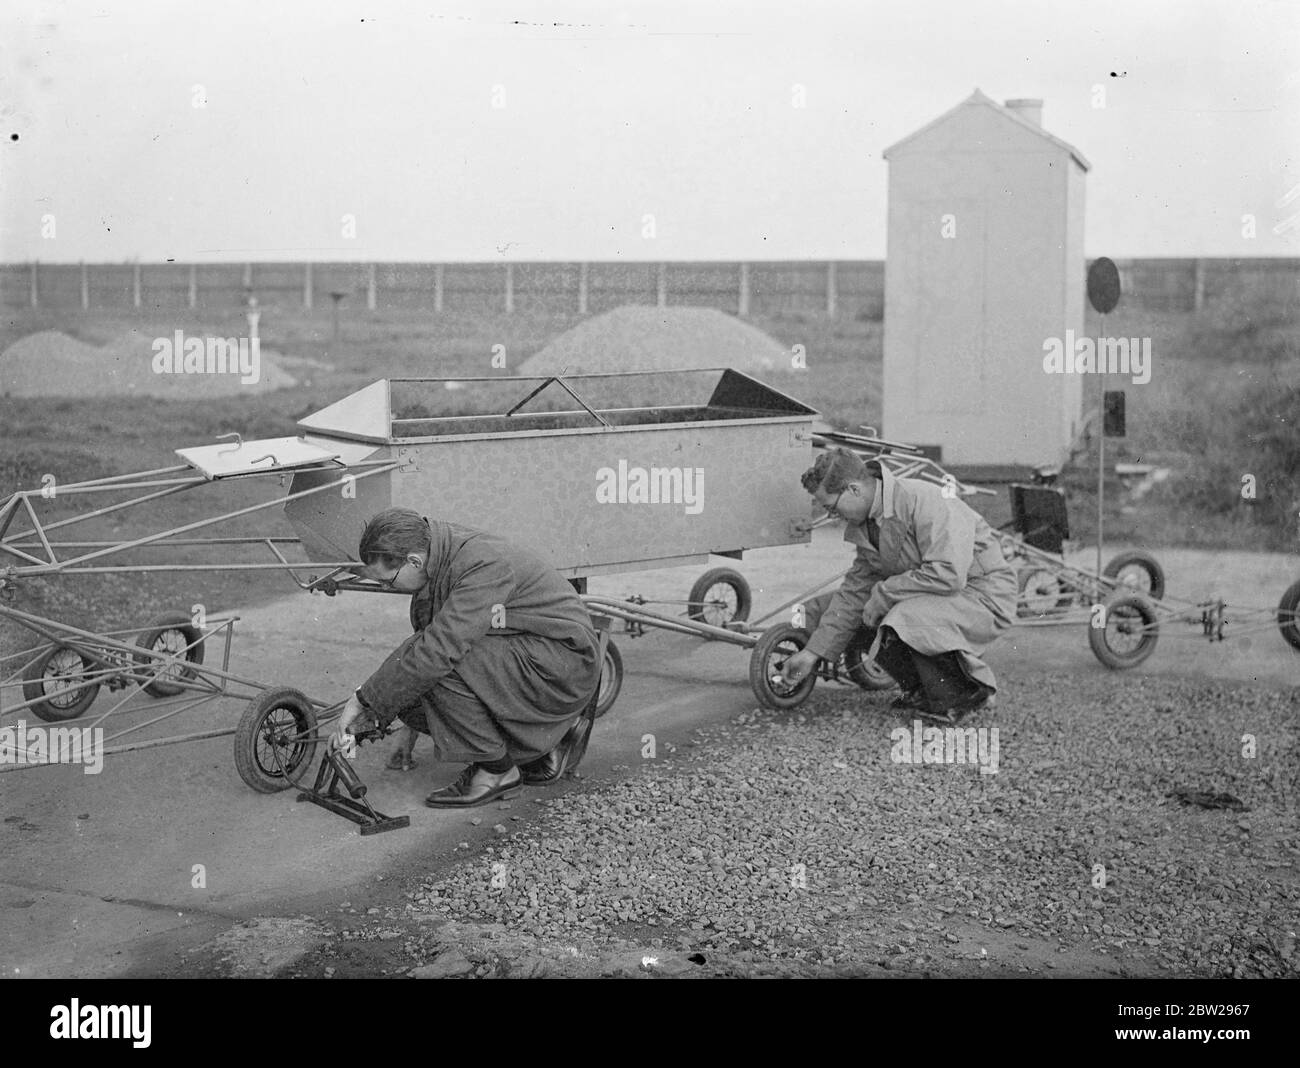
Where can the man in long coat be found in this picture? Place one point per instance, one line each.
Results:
(928, 575)
(502, 662)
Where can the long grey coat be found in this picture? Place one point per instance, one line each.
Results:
(498, 619)
(938, 578)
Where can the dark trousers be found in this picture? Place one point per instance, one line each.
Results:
(943, 679)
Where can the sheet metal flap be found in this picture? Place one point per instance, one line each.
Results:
(250, 457)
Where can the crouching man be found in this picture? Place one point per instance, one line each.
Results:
(502, 663)
(928, 576)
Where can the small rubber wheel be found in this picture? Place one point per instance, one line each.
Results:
(275, 740)
(1140, 572)
(1042, 592)
(775, 646)
(52, 681)
(719, 597)
(861, 668)
(168, 634)
(1288, 615)
(1130, 633)
(611, 679)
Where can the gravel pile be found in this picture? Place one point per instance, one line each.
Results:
(793, 840)
(638, 338)
(52, 364)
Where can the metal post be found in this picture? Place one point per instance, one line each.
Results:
(744, 289)
(194, 285)
(85, 287)
(582, 289)
(830, 288)
(510, 288)
(135, 284)
(437, 287)
(32, 289)
(661, 296)
(1101, 444)
(306, 286)
(370, 289)
(1198, 300)
(248, 276)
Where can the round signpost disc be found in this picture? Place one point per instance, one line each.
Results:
(1103, 285)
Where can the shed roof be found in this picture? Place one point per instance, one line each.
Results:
(978, 98)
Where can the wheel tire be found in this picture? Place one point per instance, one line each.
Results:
(276, 738)
(861, 668)
(159, 629)
(1145, 563)
(1124, 612)
(1047, 592)
(1288, 615)
(720, 614)
(611, 679)
(775, 646)
(61, 703)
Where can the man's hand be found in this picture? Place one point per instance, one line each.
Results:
(342, 738)
(796, 668)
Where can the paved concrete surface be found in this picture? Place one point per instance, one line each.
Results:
(96, 871)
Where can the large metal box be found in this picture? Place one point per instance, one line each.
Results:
(595, 473)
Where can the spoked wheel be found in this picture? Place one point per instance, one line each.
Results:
(1140, 572)
(55, 680)
(1130, 633)
(1043, 592)
(611, 679)
(775, 646)
(861, 668)
(275, 740)
(719, 597)
(168, 635)
(1288, 615)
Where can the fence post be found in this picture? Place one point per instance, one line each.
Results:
(744, 289)
(661, 296)
(510, 288)
(1198, 300)
(194, 285)
(85, 287)
(32, 293)
(306, 286)
(582, 289)
(135, 284)
(437, 287)
(830, 288)
(370, 288)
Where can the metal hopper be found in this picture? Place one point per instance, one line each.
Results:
(596, 473)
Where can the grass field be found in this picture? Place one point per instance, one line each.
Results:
(1223, 403)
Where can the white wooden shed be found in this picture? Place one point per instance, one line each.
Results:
(985, 262)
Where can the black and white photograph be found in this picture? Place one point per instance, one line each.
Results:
(562, 490)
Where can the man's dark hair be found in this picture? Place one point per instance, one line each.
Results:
(391, 536)
(835, 469)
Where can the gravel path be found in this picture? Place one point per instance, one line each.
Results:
(792, 844)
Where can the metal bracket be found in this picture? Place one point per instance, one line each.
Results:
(410, 458)
(799, 437)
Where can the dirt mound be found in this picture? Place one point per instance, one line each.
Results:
(638, 338)
(52, 364)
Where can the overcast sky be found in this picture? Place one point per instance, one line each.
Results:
(537, 130)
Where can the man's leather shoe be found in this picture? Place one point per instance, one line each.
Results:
(910, 701)
(464, 794)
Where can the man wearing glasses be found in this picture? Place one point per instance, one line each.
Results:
(501, 667)
(928, 577)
